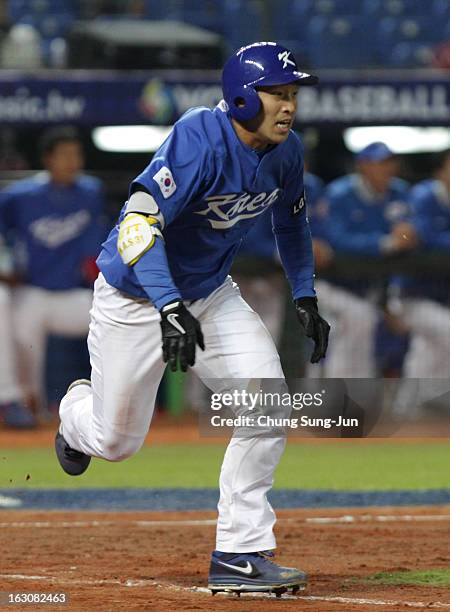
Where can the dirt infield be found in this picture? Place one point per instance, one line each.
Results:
(152, 561)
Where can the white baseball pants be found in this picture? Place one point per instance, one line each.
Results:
(351, 347)
(9, 387)
(38, 313)
(112, 419)
(427, 358)
(428, 355)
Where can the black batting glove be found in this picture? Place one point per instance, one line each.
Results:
(314, 325)
(180, 333)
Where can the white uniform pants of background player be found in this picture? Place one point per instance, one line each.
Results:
(9, 386)
(36, 314)
(428, 356)
(351, 347)
(112, 419)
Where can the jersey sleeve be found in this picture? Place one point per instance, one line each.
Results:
(179, 171)
(341, 236)
(177, 174)
(420, 217)
(293, 237)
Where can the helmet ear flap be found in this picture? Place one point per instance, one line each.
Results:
(244, 104)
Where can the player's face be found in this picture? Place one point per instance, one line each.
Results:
(379, 174)
(65, 162)
(273, 122)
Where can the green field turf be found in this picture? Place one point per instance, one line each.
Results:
(339, 466)
(429, 577)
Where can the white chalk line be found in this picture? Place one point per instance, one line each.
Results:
(321, 520)
(85, 581)
(381, 518)
(101, 523)
(70, 581)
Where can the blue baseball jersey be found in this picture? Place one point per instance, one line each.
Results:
(430, 214)
(316, 208)
(358, 218)
(211, 188)
(260, 240)
(53, 228)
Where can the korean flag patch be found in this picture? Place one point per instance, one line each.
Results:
(165, 182)
(299, 205)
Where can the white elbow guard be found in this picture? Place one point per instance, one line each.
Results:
(142, 202)
(137, 234)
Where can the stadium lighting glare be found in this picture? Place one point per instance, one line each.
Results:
(399, 138)
(130, 138)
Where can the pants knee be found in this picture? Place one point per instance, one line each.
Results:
(117, 447)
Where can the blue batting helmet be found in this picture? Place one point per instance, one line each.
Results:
(256, 65)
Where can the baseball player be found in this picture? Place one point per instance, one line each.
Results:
(54, 220)
(363, 209)
(13, 412)
(264, 289)
(424, 302)
(164, 296)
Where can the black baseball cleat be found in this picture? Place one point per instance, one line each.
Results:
(73, 462)
(252, 572)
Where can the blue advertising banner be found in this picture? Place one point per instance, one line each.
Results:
(104, 98)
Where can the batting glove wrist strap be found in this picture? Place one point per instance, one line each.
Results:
(314, 325)
(181, 333)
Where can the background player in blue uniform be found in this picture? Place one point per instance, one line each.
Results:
(425, 302)
(363, 209)
(54, 221)
(164, 292)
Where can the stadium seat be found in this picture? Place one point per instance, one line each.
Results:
(54, 25)
(411, 55)
(392, 31)
(440, 9)
(28, 19)
(17, 9)
(311, 8)
(242, 22)
(395, 8)
(207, 14)
(290, 19)
(340, 42)
(336, 7)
